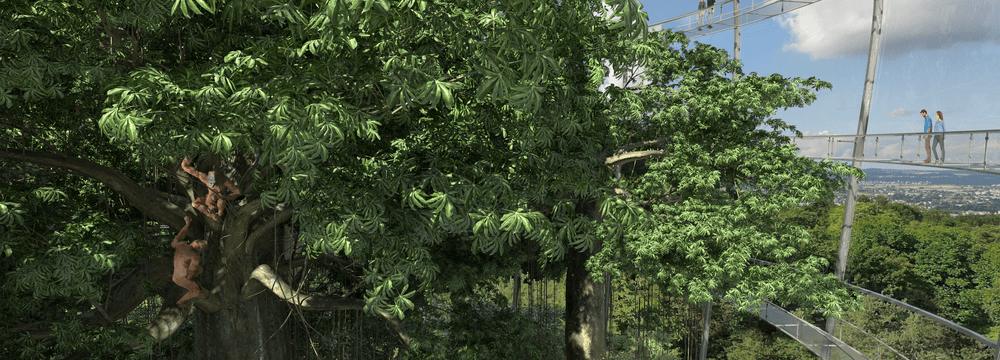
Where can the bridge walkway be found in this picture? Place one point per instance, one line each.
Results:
(963, 150)
(825, 346)
(724, 17)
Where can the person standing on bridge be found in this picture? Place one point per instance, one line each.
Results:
(939, 138)
(927, 139)
(711, 12)
(701, 13)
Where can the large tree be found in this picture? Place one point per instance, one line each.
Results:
(398, 140)
(383, 133)
(711, 169)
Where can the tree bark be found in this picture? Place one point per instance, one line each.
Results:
(585, 337)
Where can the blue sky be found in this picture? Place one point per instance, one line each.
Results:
(936, 55)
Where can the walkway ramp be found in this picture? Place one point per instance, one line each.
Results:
(815, 339)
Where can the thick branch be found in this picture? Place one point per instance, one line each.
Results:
(172, 316)
(169, 319)
(634, 156)
(272, 281)
(157, 208)
(133, 290)
(244, 216)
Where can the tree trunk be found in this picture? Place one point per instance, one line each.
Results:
(517, 291)
(585, 338)
(250, 329)
(244, 328)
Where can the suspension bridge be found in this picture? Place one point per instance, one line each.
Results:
(963, 150)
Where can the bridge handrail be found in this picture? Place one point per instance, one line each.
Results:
(899, 134)
(940, 320)
(686, 15)
(880, 342)
(961, 329)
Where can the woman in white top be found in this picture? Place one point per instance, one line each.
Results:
(939, 138)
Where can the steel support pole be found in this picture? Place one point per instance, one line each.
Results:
(736, 33)
(996, 355)
(859, 150)
(704, 331)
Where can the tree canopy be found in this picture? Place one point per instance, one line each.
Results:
(396, 141)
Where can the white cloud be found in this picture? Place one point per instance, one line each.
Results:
(837, 28)
(810, 133)
(901, 112)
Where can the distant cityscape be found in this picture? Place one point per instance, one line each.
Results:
(958, 192)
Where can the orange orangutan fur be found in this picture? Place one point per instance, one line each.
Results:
(213, 203)
(186, 261)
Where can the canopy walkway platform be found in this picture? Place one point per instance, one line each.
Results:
(964, 150)
(725, 17)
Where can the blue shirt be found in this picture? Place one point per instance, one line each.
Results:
(939, 126)
(927, 123)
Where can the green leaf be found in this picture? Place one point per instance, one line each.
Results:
(221, 144)
(207, 6)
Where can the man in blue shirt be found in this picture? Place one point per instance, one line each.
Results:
(928, 122)
(938, 138)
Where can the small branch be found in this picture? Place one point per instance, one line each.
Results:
(28, 327)
(102, 311)
(41, 240)
(154, 62)
(267, 228)
(642, 143)
(266, 276)
(39, 138)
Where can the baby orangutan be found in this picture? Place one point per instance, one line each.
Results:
(213, 203)
(186, 261)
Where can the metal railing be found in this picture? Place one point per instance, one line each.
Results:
(815, 339)
(993, 345)
(723, 18)
(940, 320)
(963, 150)
(879, 344)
